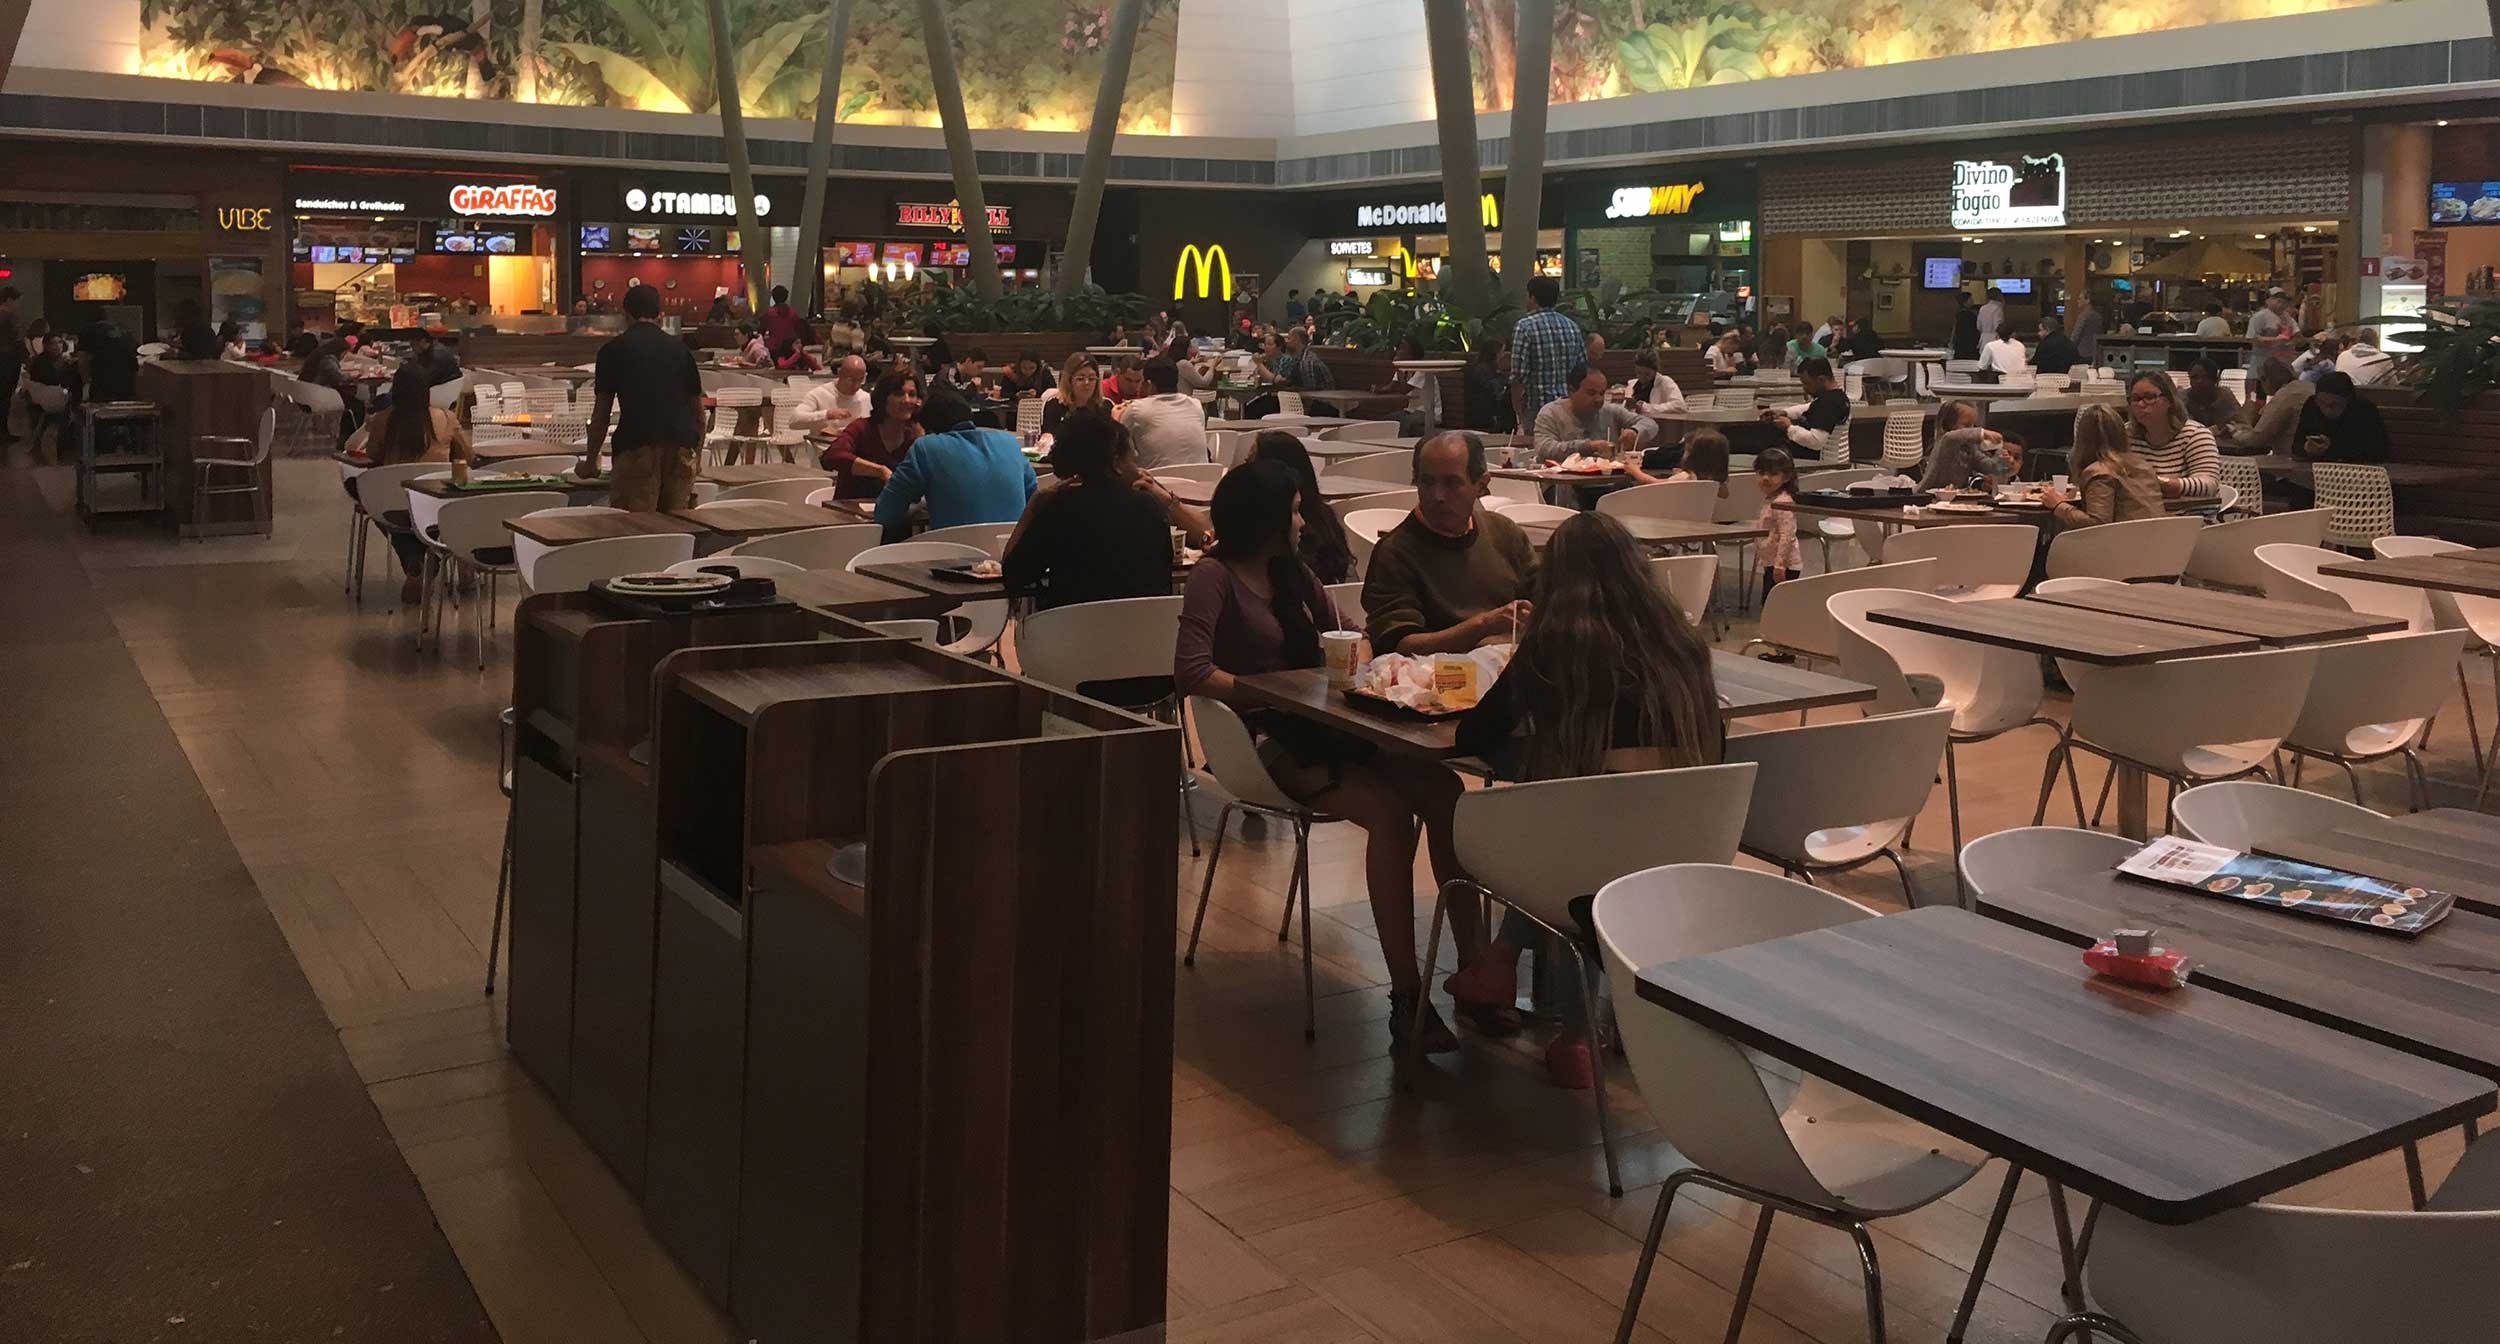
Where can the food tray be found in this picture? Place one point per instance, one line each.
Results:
(1380, 704)
(1881, 499)
(964, 574)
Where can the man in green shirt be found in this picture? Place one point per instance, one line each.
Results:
(1453, 575)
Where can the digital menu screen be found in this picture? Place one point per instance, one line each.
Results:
(1006, 254)
(501, 242)
(1942, 273)
(594, 237)
(903, 252)
(2465, 202)
(694, 240)
(854, 254)
(638, 239)
(950, 254)
(2012, 285)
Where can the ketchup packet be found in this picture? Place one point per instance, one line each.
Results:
(2160, 968)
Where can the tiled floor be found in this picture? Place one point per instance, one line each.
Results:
(1316, 1194)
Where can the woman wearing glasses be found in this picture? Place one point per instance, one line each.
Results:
(2180, 451)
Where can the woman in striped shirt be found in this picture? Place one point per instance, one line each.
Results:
(2180, 451)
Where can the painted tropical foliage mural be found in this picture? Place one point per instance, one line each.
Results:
(1026, 64)
(1609, 48)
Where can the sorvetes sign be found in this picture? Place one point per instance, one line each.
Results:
(928, 215)
(2029, 193)
(706, 204)
(1648, 202)
(1350, 247)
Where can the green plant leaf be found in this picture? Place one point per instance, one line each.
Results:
(762, 59)
(626, 76)
(1638, 60)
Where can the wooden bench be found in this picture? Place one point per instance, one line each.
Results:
(2467, 511)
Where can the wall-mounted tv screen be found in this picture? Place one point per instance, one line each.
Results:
(903, 252)
(854, 254)
(2465, 202)
(1942, 273)
(2012, 284)
(639, 239)
(594, 237)
(694, 240)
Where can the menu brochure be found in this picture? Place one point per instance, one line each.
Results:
(2257, 879)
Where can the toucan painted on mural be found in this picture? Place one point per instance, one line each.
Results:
(249, 70)
(442, 32)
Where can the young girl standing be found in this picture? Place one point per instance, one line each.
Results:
(1781, 556)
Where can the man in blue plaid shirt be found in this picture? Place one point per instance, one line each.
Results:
(1543, 347)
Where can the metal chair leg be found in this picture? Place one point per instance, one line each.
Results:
(1874, 1282)
(503, 889)
(2048, 780)
(2413, 1176)
(1909, 894)
(1649, 1254)
(1302, 870)
(1207, 888)
(1953, 815)
(1987, 1252)
(1597, 1065)
(1753, 1272)
(1432, 965)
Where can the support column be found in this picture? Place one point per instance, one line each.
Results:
(811, 276)
(949, 89)
(1454, 106)
(1116, 50)
(754, 247)
(1523, 180)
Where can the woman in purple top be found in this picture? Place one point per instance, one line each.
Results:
(1253, 606)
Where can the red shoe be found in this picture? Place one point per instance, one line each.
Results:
(1491, 979)
(1567, 1063)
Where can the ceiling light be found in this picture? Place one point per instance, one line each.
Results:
(2439, 123)
(2259, 237)
(2308, 228)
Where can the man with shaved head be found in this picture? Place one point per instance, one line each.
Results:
(828, 407)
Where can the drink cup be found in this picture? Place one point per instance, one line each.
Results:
(1180, 542)
(1341, 650)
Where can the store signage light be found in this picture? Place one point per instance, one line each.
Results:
(923, 215)
(1350, 247)
(243, 218)
(351, 205)
(708, 204)
(1648, 202)
(1422, 212)
(518, 198)
(2029, 193)
(1212, 264)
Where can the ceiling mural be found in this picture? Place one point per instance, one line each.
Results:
(1611, 48)
(1026, 64)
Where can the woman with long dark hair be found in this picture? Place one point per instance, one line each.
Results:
(867, 450)
(1608, 676)
(410, 429)
(1252, 606)
(1324, 546)
(1092, 536)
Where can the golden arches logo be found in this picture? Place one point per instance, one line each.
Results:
(1492, 212)
(1211, 264)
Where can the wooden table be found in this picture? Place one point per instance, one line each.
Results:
(2436, 995)
(441, 487)
(2036, 626)
(566, 529)
(2173, 1107)
(505, 450)
(1288, 423)
(1897, 515)
(757, 473)
(921, 576)
(1190, 490)
(2448, 849)
(1661, 532)
(2284, 467)
(860, 596)
(2443, 573)
(756, 517)
(2269, 621)
(1747, 687)
(1343, 398)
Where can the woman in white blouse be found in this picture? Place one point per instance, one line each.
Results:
(1654, 393)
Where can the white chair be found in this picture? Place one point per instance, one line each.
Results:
(1363, 530)
(1974, 562)
(815, 547)
(2280, 1274)
(988, 537)
(322, 409)
(1289, 404)
(1824, 1155)
(1347, 598)
(1687, 581)
(1386, 467)
(210, 478)
(2225, 555)
(1592, 830)
(917, 630)
(1905, 439)
(1829, 530)
(425, 516)
(748, 566)
(1991, 690)
(984, 620)
(2190, 721)
(2240, 474)
(2226, 498)
(2141, 548)
(1796, 616)
(1115, 640)
(1190, 471)
(382, 504)
(2458, 611)
(1362, 431)
(1675, 501)
(703, 492)
(2364, 508)
(1232, 760)
(1546, 515)
(552, 464)
(795, 490)
(1837, 795)
(570, 568)
(2246, 814)
(444, 396)
(730, 402)
(2371, 699)
(527, 552)
(2017, 857)
(2292, 576)
(475, 541)
(1401, 502)
(1226, 447)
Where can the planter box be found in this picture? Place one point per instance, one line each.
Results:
(1004, 347)
(2467, 511)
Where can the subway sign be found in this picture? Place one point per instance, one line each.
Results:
(1652, 202)
(924, 215)
(1420, 213)
(1215, 272)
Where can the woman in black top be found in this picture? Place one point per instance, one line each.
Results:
(1487, 389)
(2339, 425)
(1324, 546)
(1092, 536)
(1080, 392)
(1608, 676)
(1029, 378)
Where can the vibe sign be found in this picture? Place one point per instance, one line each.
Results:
(1646, 202)
(2029, 193)
(1212, 265)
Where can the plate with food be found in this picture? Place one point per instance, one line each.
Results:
(1434, 687)
(662, 584)
(979, 571)
(1578, 465)
(2448, 210)
(2484, 210)
(1960, 506)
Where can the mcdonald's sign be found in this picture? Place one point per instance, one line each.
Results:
(1211, 264)
(1423, 213)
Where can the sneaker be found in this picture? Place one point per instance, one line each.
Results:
(1436, 1038)
(1567, 1063)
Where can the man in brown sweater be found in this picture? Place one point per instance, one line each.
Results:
(1453, 575)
